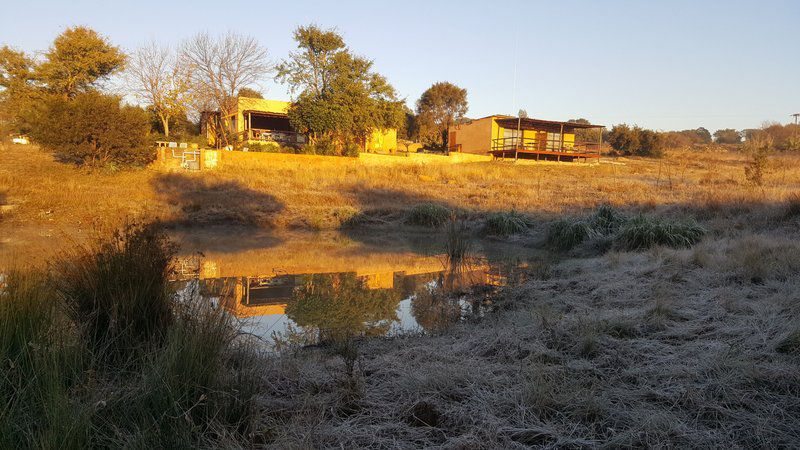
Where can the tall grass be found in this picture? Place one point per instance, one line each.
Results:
(38, 365)
(117, 290)
(458, 244)
(111, 358)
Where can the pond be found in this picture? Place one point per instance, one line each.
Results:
(302, 288)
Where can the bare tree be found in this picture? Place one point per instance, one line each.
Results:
(156, 78)
(221, 66)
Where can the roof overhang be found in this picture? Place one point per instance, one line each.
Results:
(526, 123)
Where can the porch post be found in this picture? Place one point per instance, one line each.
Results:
(599, 143)
(561, 144)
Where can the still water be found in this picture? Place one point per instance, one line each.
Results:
(299, 289)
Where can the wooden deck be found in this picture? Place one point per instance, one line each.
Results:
(545, 155)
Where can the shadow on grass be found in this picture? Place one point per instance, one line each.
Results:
(198, 202)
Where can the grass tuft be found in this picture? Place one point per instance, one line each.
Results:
(507, 223)
(428, 215)
(569, 232)
(643, 232)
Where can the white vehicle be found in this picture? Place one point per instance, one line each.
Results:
(21, 139)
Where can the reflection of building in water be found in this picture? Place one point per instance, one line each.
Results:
(250, 296)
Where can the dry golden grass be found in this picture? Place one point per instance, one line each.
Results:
(55, 201)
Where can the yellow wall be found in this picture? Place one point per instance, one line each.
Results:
(385, 140)
(258, 104)
(475, 136)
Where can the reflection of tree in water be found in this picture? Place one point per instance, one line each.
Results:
(433, 309)
(341, 305)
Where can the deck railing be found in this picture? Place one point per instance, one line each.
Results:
(281, 137)
(511, 144)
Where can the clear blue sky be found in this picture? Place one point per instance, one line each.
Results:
(659, 64)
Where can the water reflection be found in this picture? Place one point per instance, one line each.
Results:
(421, 294)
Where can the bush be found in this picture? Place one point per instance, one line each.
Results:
(428, 215)
(118, 290)
(507, 223)
(759, 148)
(94, 129)
(644, 232)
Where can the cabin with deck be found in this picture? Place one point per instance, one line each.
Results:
(522, 137)
(263, 121)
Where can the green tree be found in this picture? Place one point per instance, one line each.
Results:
(636, 141)
(19, 91)
(249, 93)
(727, 136)
(624, 139)
(341, 100)
(78, 61)
(94, 129)
(440, 106)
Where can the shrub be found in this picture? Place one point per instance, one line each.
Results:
(758, 147)
(94, 129)
(644, 232)
(118, 291)
(428, 215)
(507, 223)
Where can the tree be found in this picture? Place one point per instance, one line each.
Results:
(249, 93)
(94, 129)
(439, 107)
(624, 139)
(727, 136)
(636, 141)
(220, 67)
(78, 61)
(18, 93)
(156, 77)
(340, 99)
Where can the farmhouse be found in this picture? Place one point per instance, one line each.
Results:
(521, 137)
(265, 121)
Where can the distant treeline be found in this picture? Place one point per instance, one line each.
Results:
(637, 141)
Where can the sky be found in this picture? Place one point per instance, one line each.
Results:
(666, 65)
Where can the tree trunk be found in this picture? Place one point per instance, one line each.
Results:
(165, 124)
